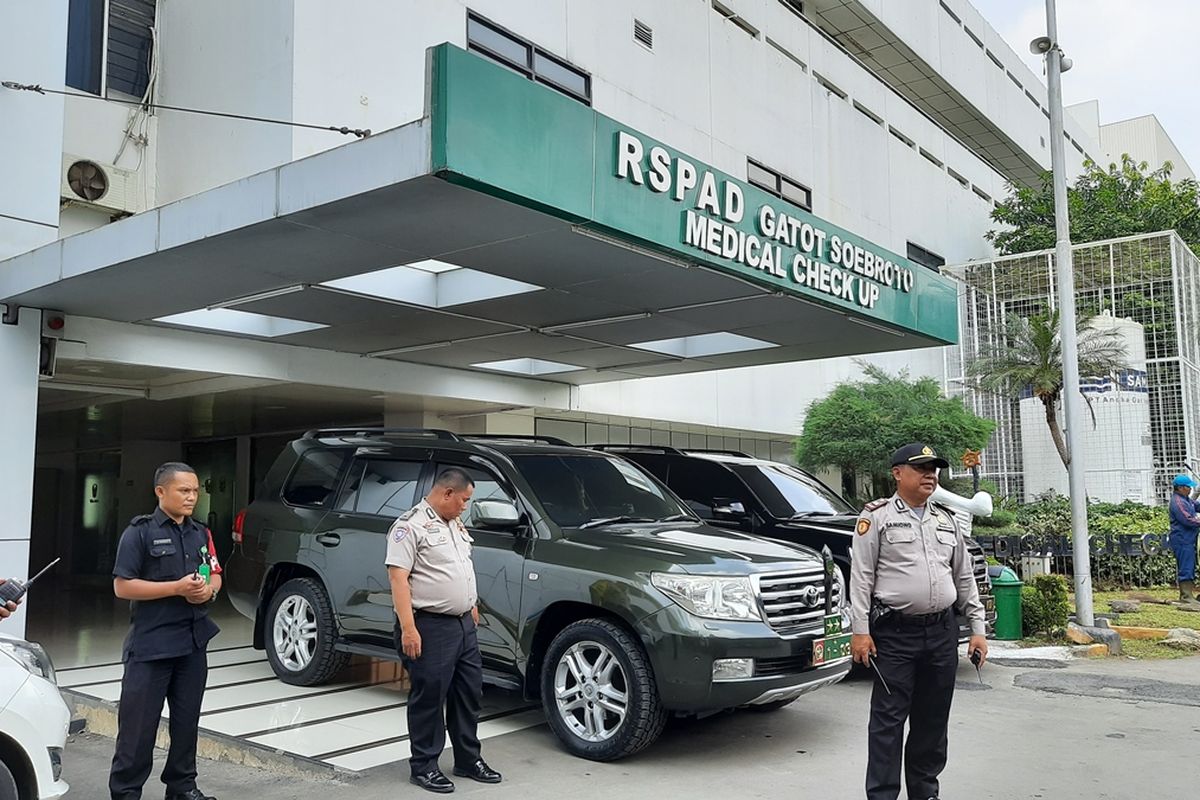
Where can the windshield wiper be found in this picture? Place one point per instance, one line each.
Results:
(676, 518)
(595, 523)
(807, 514)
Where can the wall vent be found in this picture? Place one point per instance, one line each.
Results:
(643, 34)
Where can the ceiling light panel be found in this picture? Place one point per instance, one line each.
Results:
(228, 320)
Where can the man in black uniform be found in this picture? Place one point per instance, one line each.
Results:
(433, 589)
(910, 573)
(167, 565)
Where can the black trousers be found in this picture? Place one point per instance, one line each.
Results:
(919, 663)
(179, 681)
(447, 678)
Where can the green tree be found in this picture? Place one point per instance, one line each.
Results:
(1029, 357)
(858, 425)
(1124, 200)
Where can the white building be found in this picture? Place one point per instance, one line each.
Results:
(540, 288)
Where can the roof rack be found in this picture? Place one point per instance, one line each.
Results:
(718, 452)
(514, 437)
(436, 433)
(657, 448)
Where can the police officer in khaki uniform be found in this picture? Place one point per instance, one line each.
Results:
(433, 589)
(911, 573)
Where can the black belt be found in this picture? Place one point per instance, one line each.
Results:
(420, 612)
(921, 620)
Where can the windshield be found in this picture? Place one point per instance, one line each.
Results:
(787, 491)
(576, 490)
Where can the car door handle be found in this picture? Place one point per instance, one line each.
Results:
(329, 539)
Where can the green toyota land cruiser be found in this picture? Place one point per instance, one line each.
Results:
(601, 594)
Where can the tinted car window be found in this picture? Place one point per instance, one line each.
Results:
(787, 491)
(577, 489)
(487, 487)
(381, 488)
(314, 478)
(704, 486)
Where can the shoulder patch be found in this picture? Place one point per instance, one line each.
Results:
(875, 505)
(863, 526)
(399, 531)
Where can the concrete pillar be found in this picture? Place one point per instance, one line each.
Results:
(398, 418)
(242, 477)
(33, 50)
(511, 423)
(19, 350)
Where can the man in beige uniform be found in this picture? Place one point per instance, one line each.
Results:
(910, 572)
(433, 590)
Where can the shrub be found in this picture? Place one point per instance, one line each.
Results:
(1045, 605)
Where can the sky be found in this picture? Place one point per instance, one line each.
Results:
(1135, 58)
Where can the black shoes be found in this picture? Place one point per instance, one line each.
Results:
(433, 781)
(190, 794)
(479, 771)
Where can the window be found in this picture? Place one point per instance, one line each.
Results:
(779, 185)
(109, 46)
(85, 45)
(487, 487)
(926, 258)
(525, 58)
(706, 486)
(381, 488)
(314, 478)
(794, 6)
(575, 490)
(788, 492)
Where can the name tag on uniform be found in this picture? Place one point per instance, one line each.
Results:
(897, 524)
(162, 541)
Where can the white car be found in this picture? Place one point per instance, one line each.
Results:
(33, 723)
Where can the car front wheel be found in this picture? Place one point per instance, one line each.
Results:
(300, 634)
(598, 691)
(8, 784)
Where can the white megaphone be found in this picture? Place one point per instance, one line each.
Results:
(964, 508)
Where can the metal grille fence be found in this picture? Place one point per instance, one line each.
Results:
(1153, 279)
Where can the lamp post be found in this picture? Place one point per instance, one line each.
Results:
(1056, 64)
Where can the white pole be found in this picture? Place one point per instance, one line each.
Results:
(1065, 271)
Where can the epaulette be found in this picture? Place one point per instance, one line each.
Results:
(942, 507)
(875, 505)
(141, 519)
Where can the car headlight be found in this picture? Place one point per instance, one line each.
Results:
(31, 656)
(710, 596)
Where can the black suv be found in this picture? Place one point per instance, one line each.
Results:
(600, 593)
(734, 490)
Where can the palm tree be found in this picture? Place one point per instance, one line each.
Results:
(1029, 356)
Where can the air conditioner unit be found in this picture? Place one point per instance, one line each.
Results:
(99, 185)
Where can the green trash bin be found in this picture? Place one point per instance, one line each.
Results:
(1007, 589)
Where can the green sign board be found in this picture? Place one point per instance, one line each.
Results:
(501, 133)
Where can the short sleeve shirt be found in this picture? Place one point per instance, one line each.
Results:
(437, 556)
(155, 548)
(913, 561)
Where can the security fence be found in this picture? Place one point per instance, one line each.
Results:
(1153, 280)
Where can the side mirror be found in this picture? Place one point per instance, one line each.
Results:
(495, 514)
(734, 509)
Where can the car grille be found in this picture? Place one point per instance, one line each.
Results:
(795, 600)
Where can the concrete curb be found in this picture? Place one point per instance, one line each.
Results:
(101, 719)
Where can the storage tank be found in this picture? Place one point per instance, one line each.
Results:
(1116, 450)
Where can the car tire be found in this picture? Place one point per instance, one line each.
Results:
(8, 784)
(599, 693)
(300, 632)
